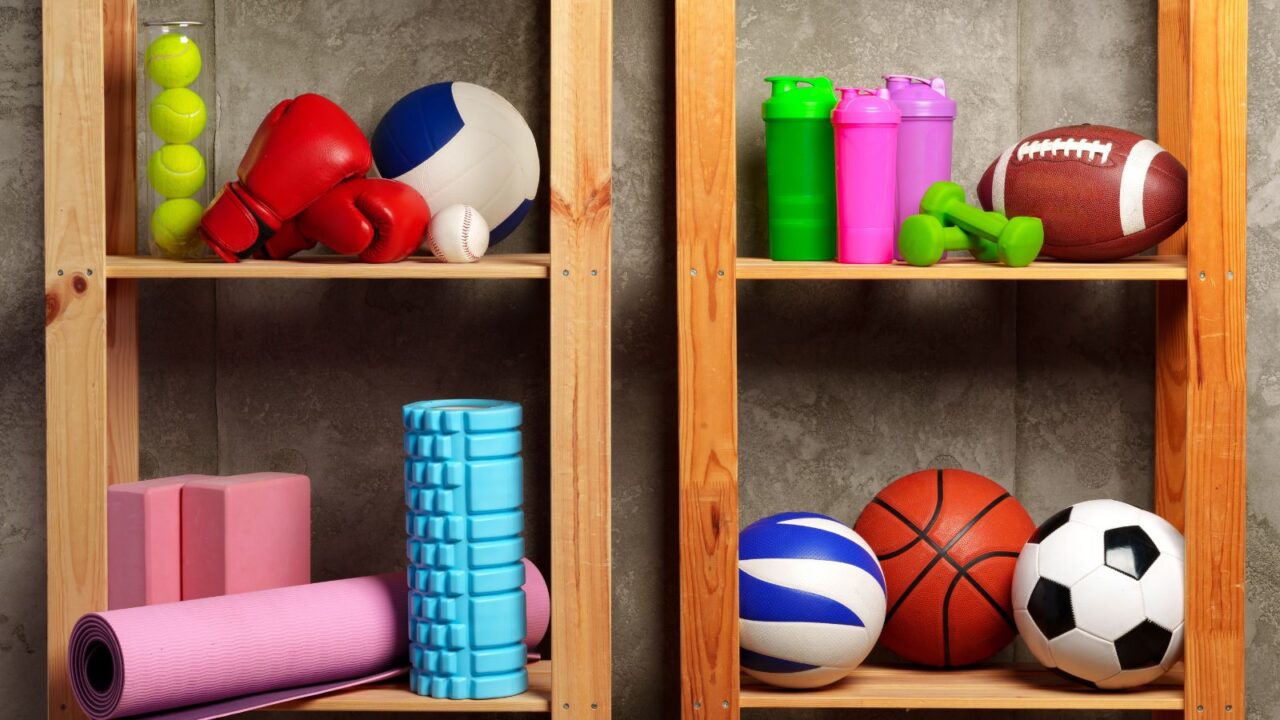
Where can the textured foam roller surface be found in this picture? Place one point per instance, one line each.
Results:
(218, 655)
(463, 489)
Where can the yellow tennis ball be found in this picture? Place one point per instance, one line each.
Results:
(176, 171)
(177, 115)
(173, 60)
(174, 225)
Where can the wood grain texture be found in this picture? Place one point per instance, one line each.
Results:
(119, 68)
(315, 267)
(1174, 74)
(986, 688)
(706, 266)
(75, 329)
(119, 61)
(1166, 267)
(1215, 449)
(581, 225)
(395, 696)
(122, 381)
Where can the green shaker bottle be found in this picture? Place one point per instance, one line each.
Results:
(800, 154)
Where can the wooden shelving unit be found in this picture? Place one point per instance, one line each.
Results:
(331, 267)
(1200, 383)
(91, 313)
(982, 688)
(1155, 267)
(392, 696)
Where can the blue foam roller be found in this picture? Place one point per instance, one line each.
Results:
(463, 492)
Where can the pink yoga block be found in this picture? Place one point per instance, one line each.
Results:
(245, 532)
(144, 541)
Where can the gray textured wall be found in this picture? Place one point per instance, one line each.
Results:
(1045, 387)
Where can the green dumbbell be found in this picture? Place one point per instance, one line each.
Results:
(1018, 240)
(923, 238)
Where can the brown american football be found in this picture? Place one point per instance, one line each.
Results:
(1103, 193)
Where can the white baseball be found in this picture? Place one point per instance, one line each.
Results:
(458, 234)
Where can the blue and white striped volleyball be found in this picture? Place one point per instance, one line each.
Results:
(811, 600)
(461, 144)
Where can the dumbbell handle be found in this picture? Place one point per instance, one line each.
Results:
(954, 238)
(945, 201)
(976, 221)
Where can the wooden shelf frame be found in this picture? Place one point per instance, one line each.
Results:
(529, 266)
(90, 55)
(395, 696)
(1020, 687)
(1154, 267)
(1200, 377)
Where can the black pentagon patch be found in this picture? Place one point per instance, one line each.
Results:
(1047, 527)
(1143, 646)
(1130, 550)
(1050, 606)
(1064, 674)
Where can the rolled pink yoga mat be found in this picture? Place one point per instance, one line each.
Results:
(221, 655)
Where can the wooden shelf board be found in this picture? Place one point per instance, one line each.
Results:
(988, 688)
(500, 266)
(1152, 267)
(394, 696)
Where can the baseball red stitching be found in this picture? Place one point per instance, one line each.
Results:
(466, 234)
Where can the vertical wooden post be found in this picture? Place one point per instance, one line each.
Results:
(75, 328)
(706, 187)
(1174, 76)
(581, 216)
(119, 59)
(1215, 445)
(1171, 297)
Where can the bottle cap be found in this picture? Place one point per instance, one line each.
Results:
(799, 97)
(865, 106)
(920, 97)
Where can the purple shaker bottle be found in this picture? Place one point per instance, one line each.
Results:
(924, 139)
(866, 126)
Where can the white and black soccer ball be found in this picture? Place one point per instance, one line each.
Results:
(1098, 594)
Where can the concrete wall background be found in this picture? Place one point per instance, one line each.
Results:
(1046, 388)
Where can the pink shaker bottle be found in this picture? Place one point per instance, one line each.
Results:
(866, 127)
(924, 138)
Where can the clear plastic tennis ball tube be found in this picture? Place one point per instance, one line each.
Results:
(178, 117)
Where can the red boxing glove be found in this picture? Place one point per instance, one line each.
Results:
(302, 149)
(379, 220)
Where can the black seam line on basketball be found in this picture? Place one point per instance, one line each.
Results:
(963, 574)
(937, 511)
(941, 551)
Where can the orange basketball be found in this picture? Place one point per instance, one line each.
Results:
(947, 541)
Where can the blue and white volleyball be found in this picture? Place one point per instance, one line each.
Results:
(461, 144)
(811, 600)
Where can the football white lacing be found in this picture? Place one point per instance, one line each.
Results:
(1066, 146)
